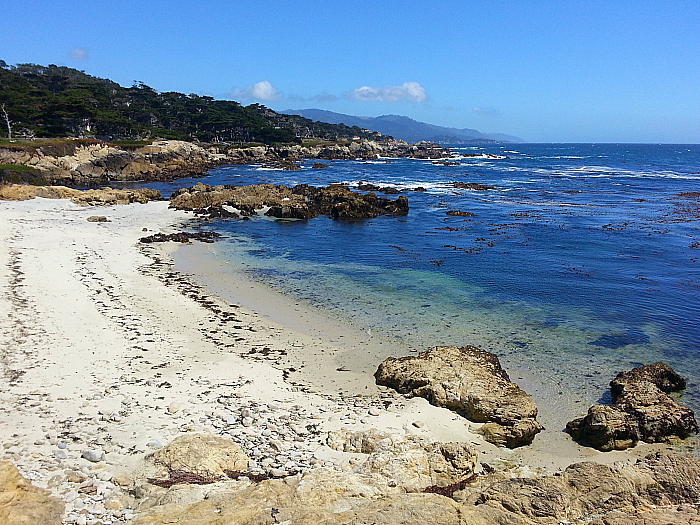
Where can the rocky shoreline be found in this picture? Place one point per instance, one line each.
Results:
(134, 395)
(99, 163)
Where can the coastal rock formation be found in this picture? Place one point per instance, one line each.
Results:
(201, 454)
(586, 490)
(471, 382)
(408, 461)
(21, 503)
(101, 162)
(642, 411)
(301, 202)
(101, 197)
(624, 493)
(92, 162)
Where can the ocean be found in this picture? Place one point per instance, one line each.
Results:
(572, 262)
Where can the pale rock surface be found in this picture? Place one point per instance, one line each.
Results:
(471, 382)
(21, 503)
(201, 454)
(408, 461)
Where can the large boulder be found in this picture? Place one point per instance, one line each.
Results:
(201, 454)
(642, 411)
(21, 503)
(471, 382)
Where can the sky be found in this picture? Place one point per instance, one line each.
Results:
(546, 71)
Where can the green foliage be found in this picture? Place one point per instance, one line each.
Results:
(56, 101)
(20, 174)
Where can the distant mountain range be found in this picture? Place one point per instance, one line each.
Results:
(404, 128)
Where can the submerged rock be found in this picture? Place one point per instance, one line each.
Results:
(642, 411)
(471, 382)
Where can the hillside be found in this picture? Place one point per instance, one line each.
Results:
(56, 101)
(404, 128)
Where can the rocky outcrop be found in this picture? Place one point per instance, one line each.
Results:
(625, 493)
(588, 490)
(21, 503)
(642, 411)
(101, 162)
(471, 382)
(301, 202)
(101, 197)
(408, 461)
(89, 163)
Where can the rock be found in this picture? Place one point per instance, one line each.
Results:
(458, 213)
(374, 411)
(201, 454)
(408, 461)
(641, 411)
(588, 489)
(300, 202)
(21, 503)
(320, 496)
(625, 493)
(471, 382)
(183, 237)
(97, 218)
(92, 455)
(320, 166)
(475, 186)
(60, 454)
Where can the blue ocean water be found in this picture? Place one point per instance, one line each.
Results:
(582, 260)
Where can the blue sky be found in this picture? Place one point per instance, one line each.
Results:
(564, 71)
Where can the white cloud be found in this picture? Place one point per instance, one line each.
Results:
(262, 91)
(408, 91)
(81, 54)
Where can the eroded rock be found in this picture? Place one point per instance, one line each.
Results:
(201, 454)
(471, 382)
(642, 411)
(408, 461)
(301, 202)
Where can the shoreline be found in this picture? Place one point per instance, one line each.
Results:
(107, 349)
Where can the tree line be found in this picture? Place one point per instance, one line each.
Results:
(57, 101)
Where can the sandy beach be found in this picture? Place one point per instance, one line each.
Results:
(111, 347)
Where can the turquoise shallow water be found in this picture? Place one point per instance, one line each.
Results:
(579, 262)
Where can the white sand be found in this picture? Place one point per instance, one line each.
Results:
(97, 352)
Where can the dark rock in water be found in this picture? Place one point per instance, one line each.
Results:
(471, 382)
(472, 186)
(301, 202)
(458, 213)
(181, 237)
(283, 164)
(420, 189)
(365, 186)
(446, 163)
(641, 411)
(320, 166)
